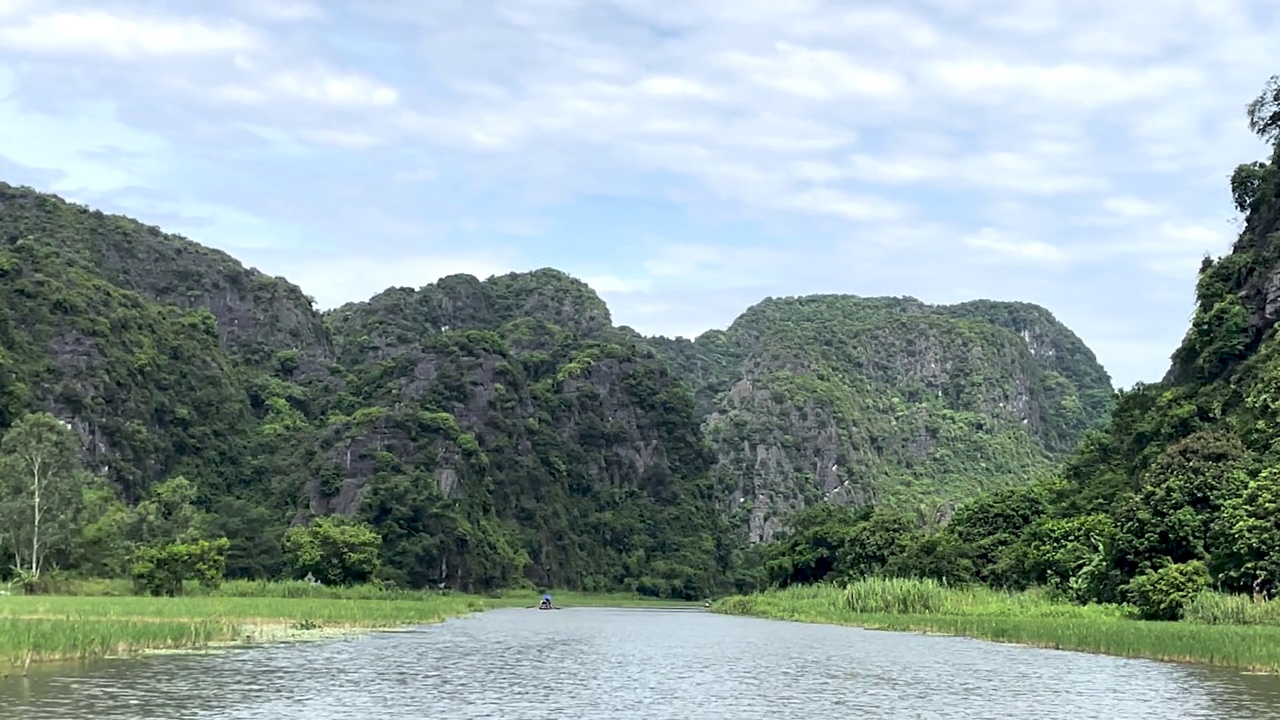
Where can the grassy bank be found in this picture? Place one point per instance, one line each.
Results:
(1207, 636)
(95, 619)
(298, 589)
(62, 628)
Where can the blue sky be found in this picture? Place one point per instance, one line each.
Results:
(685, 158)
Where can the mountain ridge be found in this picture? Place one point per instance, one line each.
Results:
(481, 425)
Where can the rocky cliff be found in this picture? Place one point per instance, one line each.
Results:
(591, 449)
(257, 314)
(498, 429)
(887, 401)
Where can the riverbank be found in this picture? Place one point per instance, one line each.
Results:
(74, 628)
(1022, 618)
(99, 619)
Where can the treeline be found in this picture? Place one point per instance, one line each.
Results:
(57, 519)
(56, 516)
(1198, 519)
(1179, 493)
(59, 522)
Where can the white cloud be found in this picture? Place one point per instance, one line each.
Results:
(73, 146)
(353, 138)
(332, 88)
(1005, 248)
(804, 143)
(827, 201)
(814, 74)
(1074, 85)
(612, 284)
(1193, 238)
(669, 86)
(1038, 171)
(1133, 207)
(281, 10)
(96, 32)
(713, 265)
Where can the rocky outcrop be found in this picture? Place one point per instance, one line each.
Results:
(482, 425)
(257, 315)
(884, 400)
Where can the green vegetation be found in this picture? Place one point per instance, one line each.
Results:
(887, 401)
(1030, 618)
(62, 628)
(184, 428)
(473, 435)
(25, 640)
(92, 619)
(1170, 512)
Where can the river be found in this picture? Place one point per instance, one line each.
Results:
(645, 664)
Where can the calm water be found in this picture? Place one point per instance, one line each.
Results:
(649, 664)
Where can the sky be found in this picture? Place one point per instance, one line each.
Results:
(687, 159)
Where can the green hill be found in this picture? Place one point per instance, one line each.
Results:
(887, 401)
(502, 431)
(1176, 493)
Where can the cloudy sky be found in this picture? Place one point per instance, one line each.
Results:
(687, 158)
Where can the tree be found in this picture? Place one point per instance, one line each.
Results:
(169, 515)
(815, 545)
(1264, 111)
(161, 569)
(1249, 532)
(42, 475)
(172, 541)
(1170, 518)
(333, 549)
(102, 545)
(1165, 592)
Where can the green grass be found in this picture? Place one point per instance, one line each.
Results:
(1030, 619)
(24, 640)
(1212, 608)
(99, 618)
(299, 589)
(37, 628)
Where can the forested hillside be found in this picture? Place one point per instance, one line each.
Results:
(1178, 492)
(476, 434)
(887, 401)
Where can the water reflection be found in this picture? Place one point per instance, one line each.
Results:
(624, 664)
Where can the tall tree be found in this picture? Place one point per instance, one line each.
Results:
(41, 475)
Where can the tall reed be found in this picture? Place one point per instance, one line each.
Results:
(1211, 608)
(1219, 630)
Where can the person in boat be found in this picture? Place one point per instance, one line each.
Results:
(546, 602)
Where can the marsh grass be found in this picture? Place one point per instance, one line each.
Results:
(38, 628)
(25, 640)
(97, 618)
(1211, 608)
(1214, 633)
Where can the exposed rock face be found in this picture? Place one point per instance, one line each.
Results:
(573, 417)
(481, 425)
(885, 400)
(257, 315)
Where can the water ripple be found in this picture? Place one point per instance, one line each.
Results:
(625, 664)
